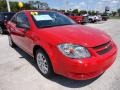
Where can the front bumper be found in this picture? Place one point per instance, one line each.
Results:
(86, 68)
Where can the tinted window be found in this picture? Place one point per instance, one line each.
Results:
(21, 18)
(8, 16)
(13, 19)
(1, 17)
(49, 19)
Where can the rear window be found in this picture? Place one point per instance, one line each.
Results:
(8, 16)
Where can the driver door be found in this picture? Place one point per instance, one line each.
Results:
(23, 34)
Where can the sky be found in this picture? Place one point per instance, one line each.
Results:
(97, 5)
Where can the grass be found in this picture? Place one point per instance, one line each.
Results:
(115, 17)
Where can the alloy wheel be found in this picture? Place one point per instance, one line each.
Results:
(1, 31)
(42, 63)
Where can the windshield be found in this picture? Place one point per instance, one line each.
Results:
(50, 19)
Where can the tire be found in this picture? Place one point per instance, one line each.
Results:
(11, 43)
(44, 64)
(90, 21)
(1, 30)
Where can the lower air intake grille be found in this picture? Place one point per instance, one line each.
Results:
(104, 48)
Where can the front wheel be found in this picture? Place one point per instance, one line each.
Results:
(1, 30)
(44, 64)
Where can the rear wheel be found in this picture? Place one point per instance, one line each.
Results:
(44, 63)
(11, 43)
(1, 30)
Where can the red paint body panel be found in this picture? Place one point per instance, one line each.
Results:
(49, 38)
(77, 19)
(86, 68)
(77, 34)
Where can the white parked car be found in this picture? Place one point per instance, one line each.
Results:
(94, 18)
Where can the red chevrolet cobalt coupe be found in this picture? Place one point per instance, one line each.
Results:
(61, 46)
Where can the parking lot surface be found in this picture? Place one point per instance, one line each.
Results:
(18, 71)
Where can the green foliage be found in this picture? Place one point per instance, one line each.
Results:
(3, 5)
(114, 13)
(118, 11)
(69, 11)
(75, 11)
(61, 10)
(39, 5)
(92, 12)
(83, 12)
(14, 6)
(26, 6)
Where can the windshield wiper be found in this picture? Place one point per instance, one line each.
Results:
(63, 24)
(46, 26)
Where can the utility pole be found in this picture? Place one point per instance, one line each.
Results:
(87, 8)
(8, 5)
(66, 5)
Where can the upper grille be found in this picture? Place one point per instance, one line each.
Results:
(104, 48)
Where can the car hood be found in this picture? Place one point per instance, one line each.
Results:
(76, 34)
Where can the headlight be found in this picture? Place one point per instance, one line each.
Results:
(74, 51)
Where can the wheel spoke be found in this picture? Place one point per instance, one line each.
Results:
(42, 63)
(1, 31)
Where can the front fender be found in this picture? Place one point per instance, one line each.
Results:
(49, 49)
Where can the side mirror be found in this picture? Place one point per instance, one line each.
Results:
(22, 25)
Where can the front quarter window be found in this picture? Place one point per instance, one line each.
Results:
(1, 17)
(13, 20)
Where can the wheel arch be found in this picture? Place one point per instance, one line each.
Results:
(49, 53)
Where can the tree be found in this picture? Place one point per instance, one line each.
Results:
(89, 12)
(3, 5)
(118, 11)
(62, 11)
(14, 6)
(114, 13)
(28, 5)
(97, 12)
(31, 5)
(75, 11)
(69, 11)
(92, 12)
(39, 5)
(83, 12)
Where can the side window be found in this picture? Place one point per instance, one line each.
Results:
(13, 19)
(1, 17)
(21, 18)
